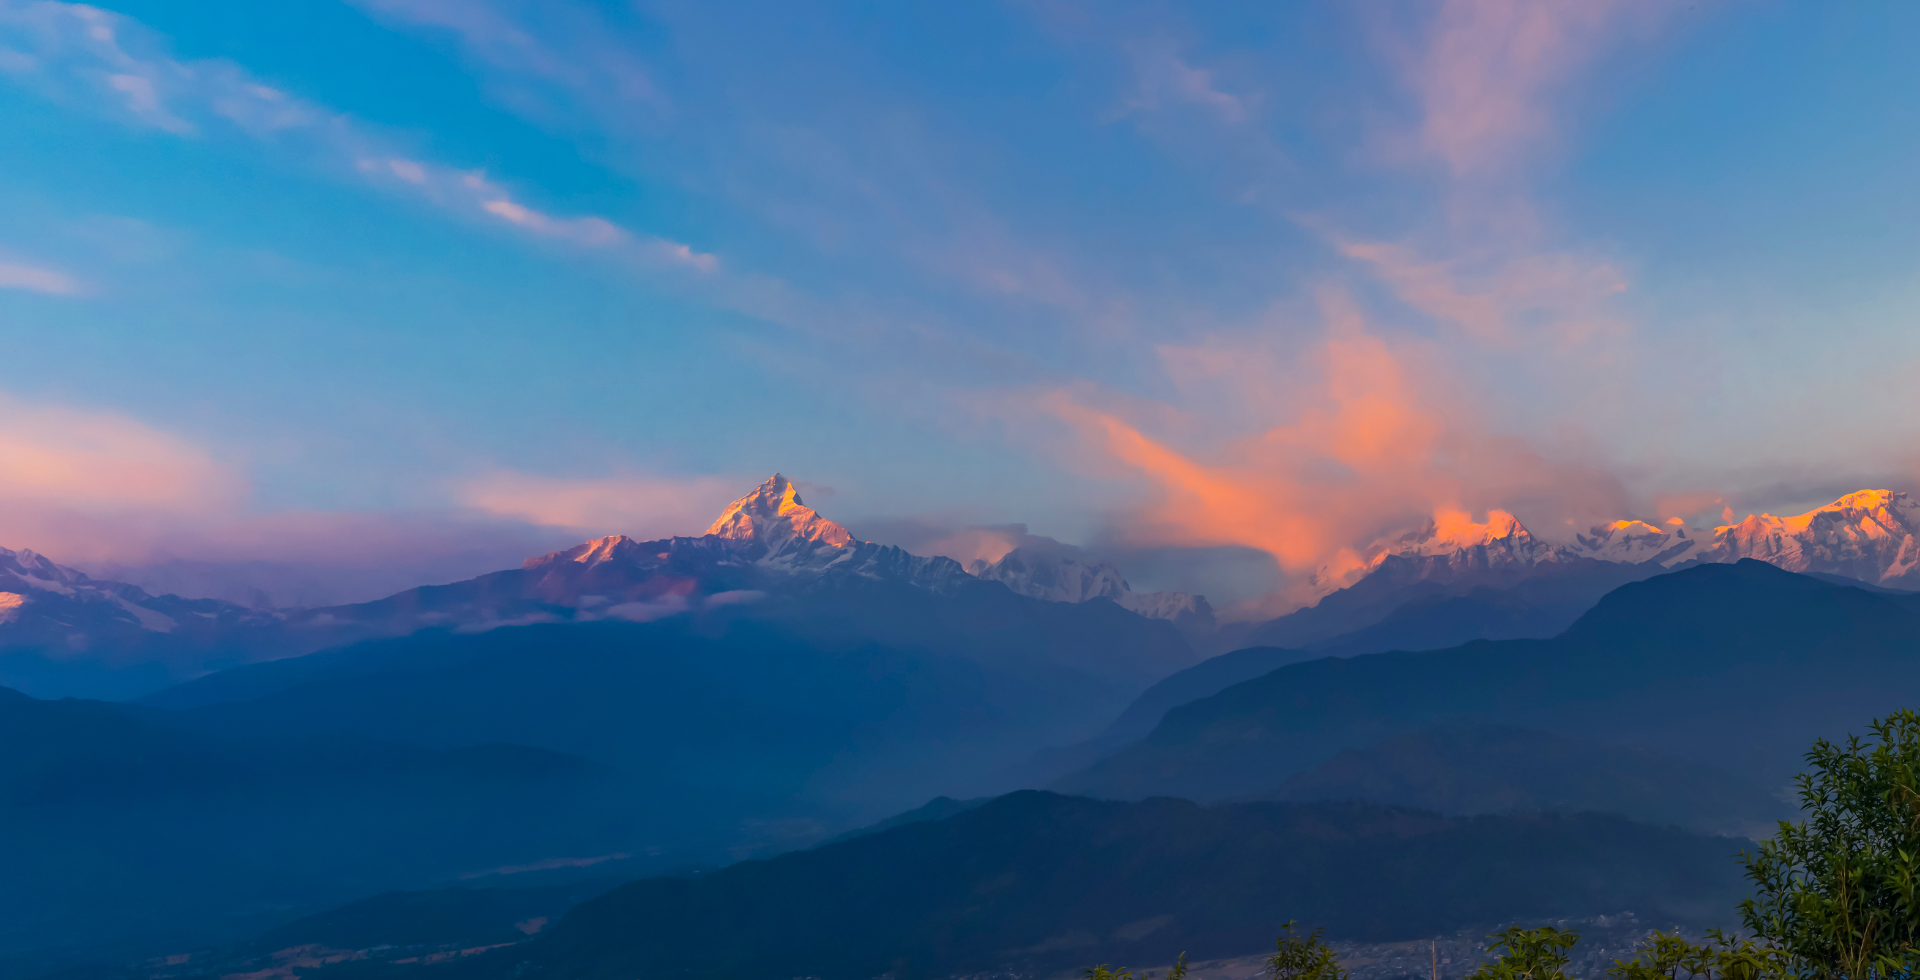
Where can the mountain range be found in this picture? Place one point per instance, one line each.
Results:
(64, 633)
(1456, 580)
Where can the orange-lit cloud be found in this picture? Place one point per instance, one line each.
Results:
(1372, 438)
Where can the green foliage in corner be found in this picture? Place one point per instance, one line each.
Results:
(1837, 892)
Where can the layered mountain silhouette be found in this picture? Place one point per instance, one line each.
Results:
(1736, 666)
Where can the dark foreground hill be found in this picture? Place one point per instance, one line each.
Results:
(1041, 882)
(1737, 666)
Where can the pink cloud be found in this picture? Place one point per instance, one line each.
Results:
(134, 502)
(57, 455)
(1502, 299)
(37, 279)
(640, 506)
(1489, 69)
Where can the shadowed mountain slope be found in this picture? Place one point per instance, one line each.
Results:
(1422, 603)
(791, 698)
(1470, 769)
(1208, 677)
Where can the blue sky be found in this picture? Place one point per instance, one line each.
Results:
(398, 280)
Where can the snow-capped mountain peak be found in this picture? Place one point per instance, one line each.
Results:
(774, 516)
(1869, 535)
(613, 547)
(1451, 531)
(39, 573)
(1634, 541)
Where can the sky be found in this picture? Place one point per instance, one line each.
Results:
(380, 292)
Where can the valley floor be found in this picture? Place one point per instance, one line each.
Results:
(1602, 940)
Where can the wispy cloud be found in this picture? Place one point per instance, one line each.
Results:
(82, 54)
(575, 53)
(37, 279)
(1503, 300)
(1490, 79)
(1165, 78)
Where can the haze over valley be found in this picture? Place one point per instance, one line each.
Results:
(1029, 490)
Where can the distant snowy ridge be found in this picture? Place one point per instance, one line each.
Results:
(1868, 535)
(1064, 574)
(46, 602)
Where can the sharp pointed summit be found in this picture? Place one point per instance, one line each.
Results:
(774, 515)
